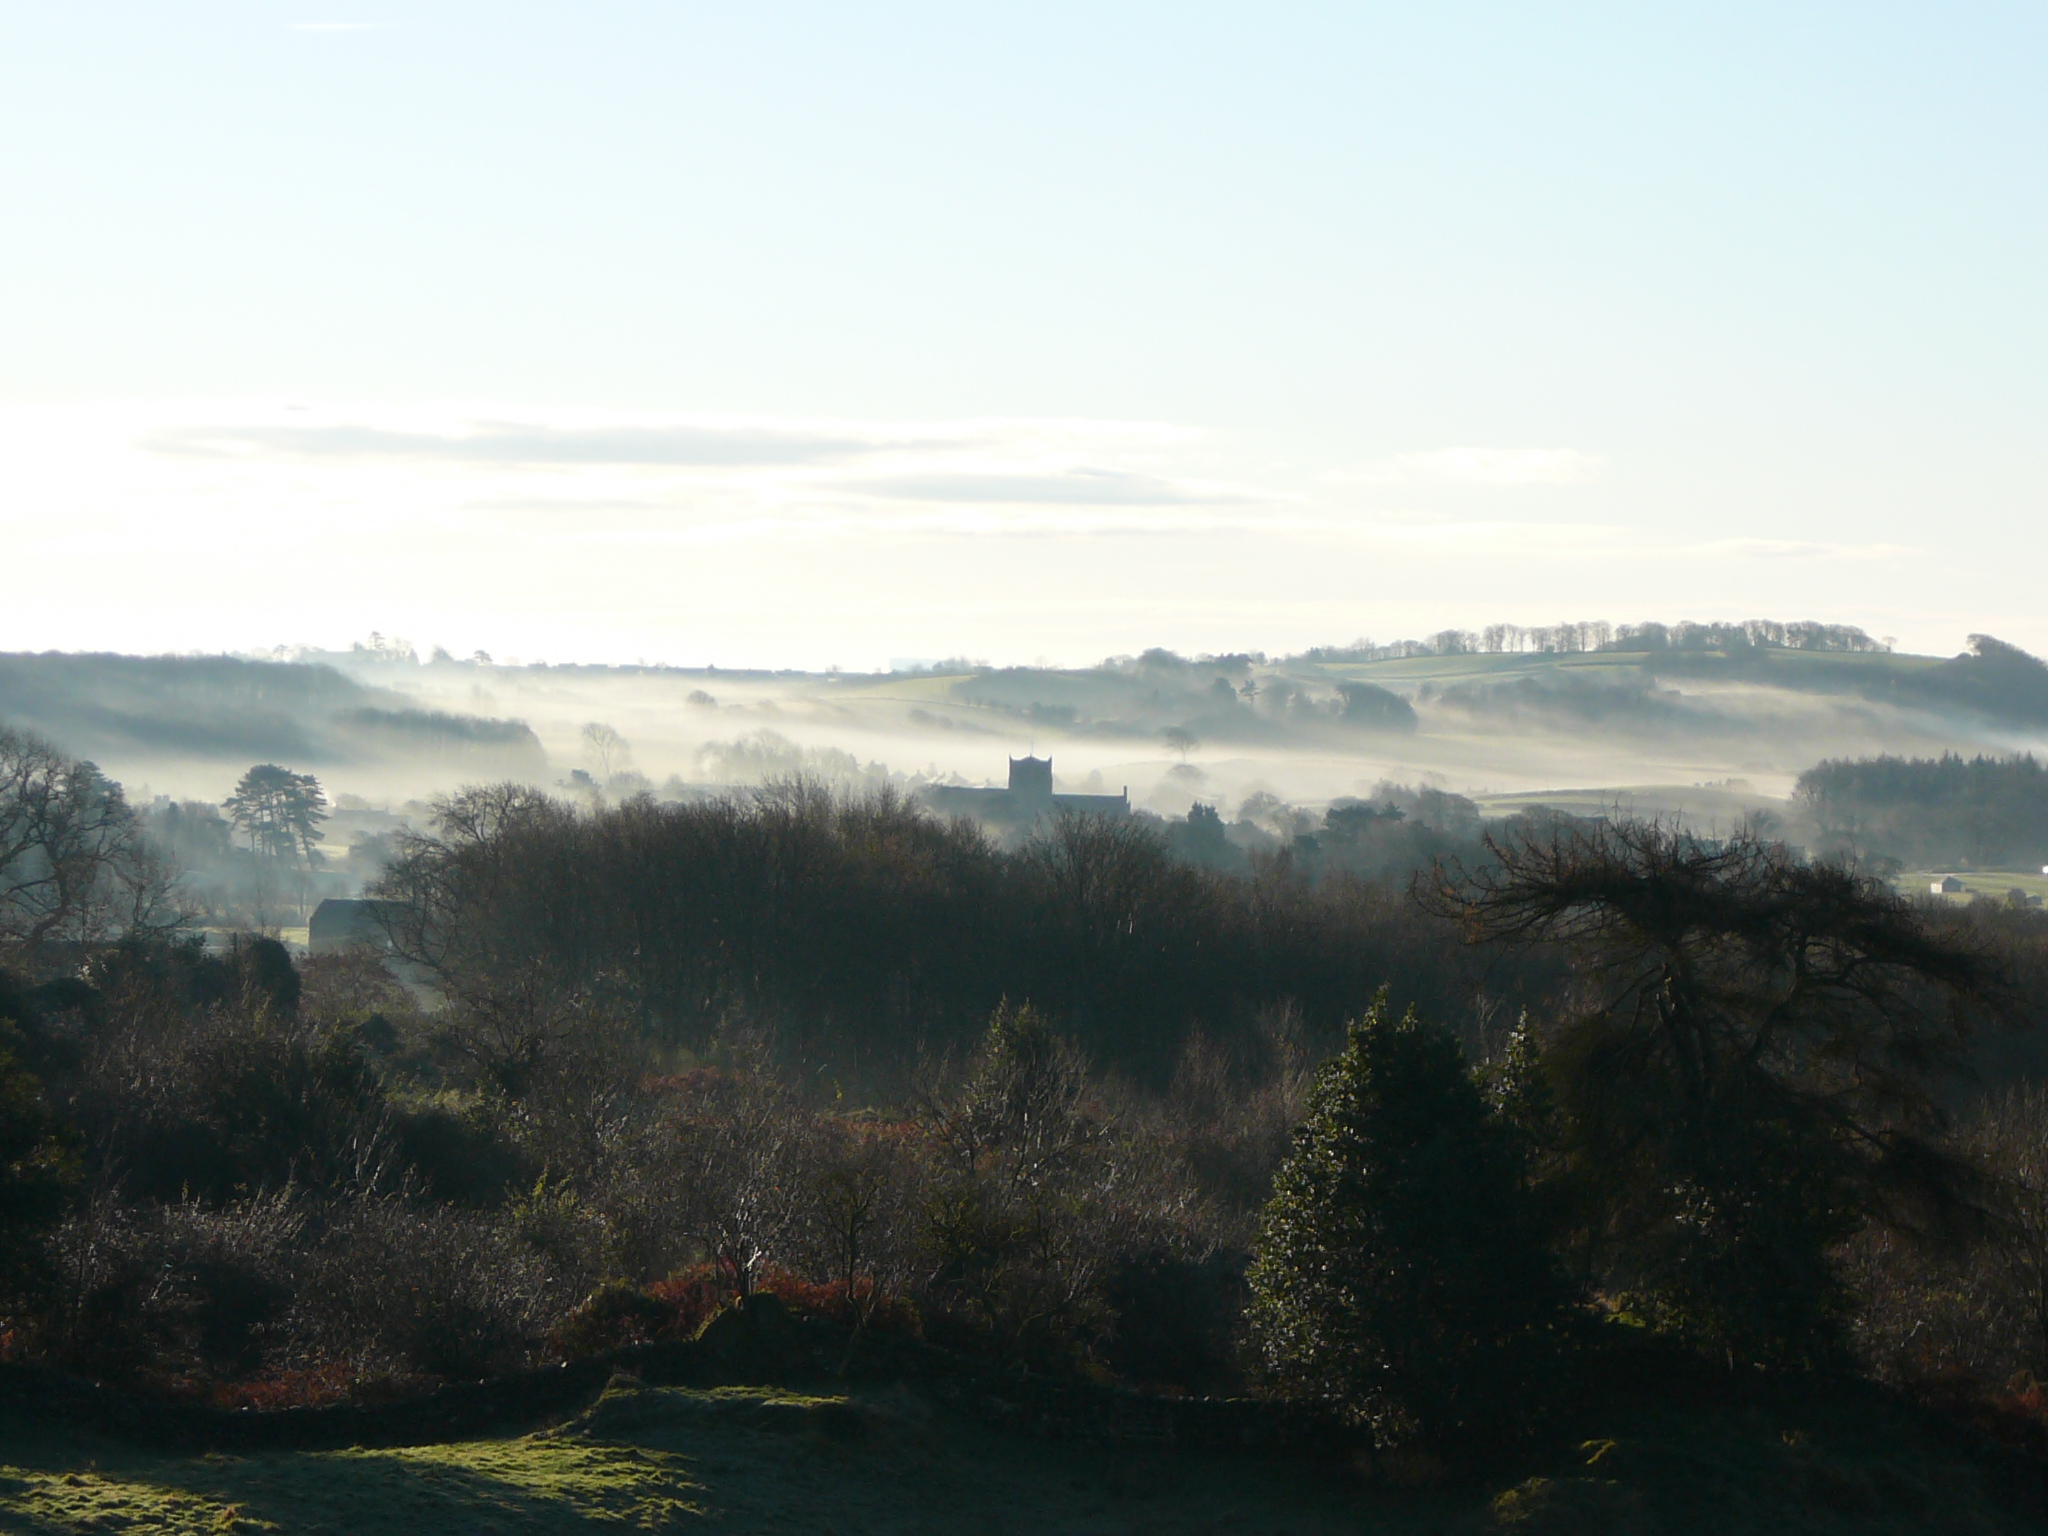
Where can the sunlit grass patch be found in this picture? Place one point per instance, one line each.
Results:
(581, 1479)
(1793, 1464)
(637, 1459)
(533, 1483)
(673, 1418)
(96, 1501)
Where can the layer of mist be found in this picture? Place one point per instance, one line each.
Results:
(1710, 725)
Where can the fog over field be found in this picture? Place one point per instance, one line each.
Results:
(1703, 730)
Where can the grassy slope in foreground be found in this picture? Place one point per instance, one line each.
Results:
(885, 1461)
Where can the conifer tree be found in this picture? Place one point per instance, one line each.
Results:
(1400, 1272)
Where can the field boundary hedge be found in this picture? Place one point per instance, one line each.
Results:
(752, 1343)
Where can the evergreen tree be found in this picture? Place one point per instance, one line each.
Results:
(1400, 1271)
(279, 811)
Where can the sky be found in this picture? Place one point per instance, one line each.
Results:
(807, 335)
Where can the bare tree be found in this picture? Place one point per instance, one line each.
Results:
(736, 1162)
(857, 1196)
(2014, 1140)
(75, 866)
(494, 908)
(607, 748)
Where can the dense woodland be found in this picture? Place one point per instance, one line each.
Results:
(1951, 811)
(863, 932)
(1425, 1150)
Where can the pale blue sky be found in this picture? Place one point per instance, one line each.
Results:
(1740, 310)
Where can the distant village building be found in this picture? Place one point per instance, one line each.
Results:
(1029, 797)
(1947, 885)
(339, 925)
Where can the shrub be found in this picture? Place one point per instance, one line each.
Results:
(38, 1165)
(425, 1289)
(264, 976)
(692, 1295)
(611, 1317)
(1400, 1271)
(1176, 1320)
(230, 1101)
(1033, 1192)
(179, 1294)
(860, 1306)
(459, 1152)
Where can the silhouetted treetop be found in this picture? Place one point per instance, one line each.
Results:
(1751, 1064)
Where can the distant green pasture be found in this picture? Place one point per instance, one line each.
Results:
(1976, 882)
(1782, 668)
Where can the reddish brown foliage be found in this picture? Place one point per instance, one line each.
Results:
(2015, 1415)
(676, 1308)
(314, 1388)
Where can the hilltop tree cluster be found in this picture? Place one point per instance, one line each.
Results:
(1599, 635)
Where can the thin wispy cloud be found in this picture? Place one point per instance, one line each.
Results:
(1024, 472)
(951, 523)
(1479, 466)
(512, 444)
(643, 522)
(1799, 549)
(1081, 486)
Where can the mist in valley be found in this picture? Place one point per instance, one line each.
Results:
(1710, 727)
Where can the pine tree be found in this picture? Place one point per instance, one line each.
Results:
(1400, 1272)
(279, 811)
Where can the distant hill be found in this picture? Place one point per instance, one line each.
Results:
(1489, 713)
(1334, 697)
(231, 711)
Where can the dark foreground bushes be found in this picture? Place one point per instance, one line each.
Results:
(1735, 1127)
(284, 1192)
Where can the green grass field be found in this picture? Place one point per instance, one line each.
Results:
(888, 1461)
(1994, 883)
(659, 1459)
(1807, 671)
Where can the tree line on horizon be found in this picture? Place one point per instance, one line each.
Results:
(1584, 636)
